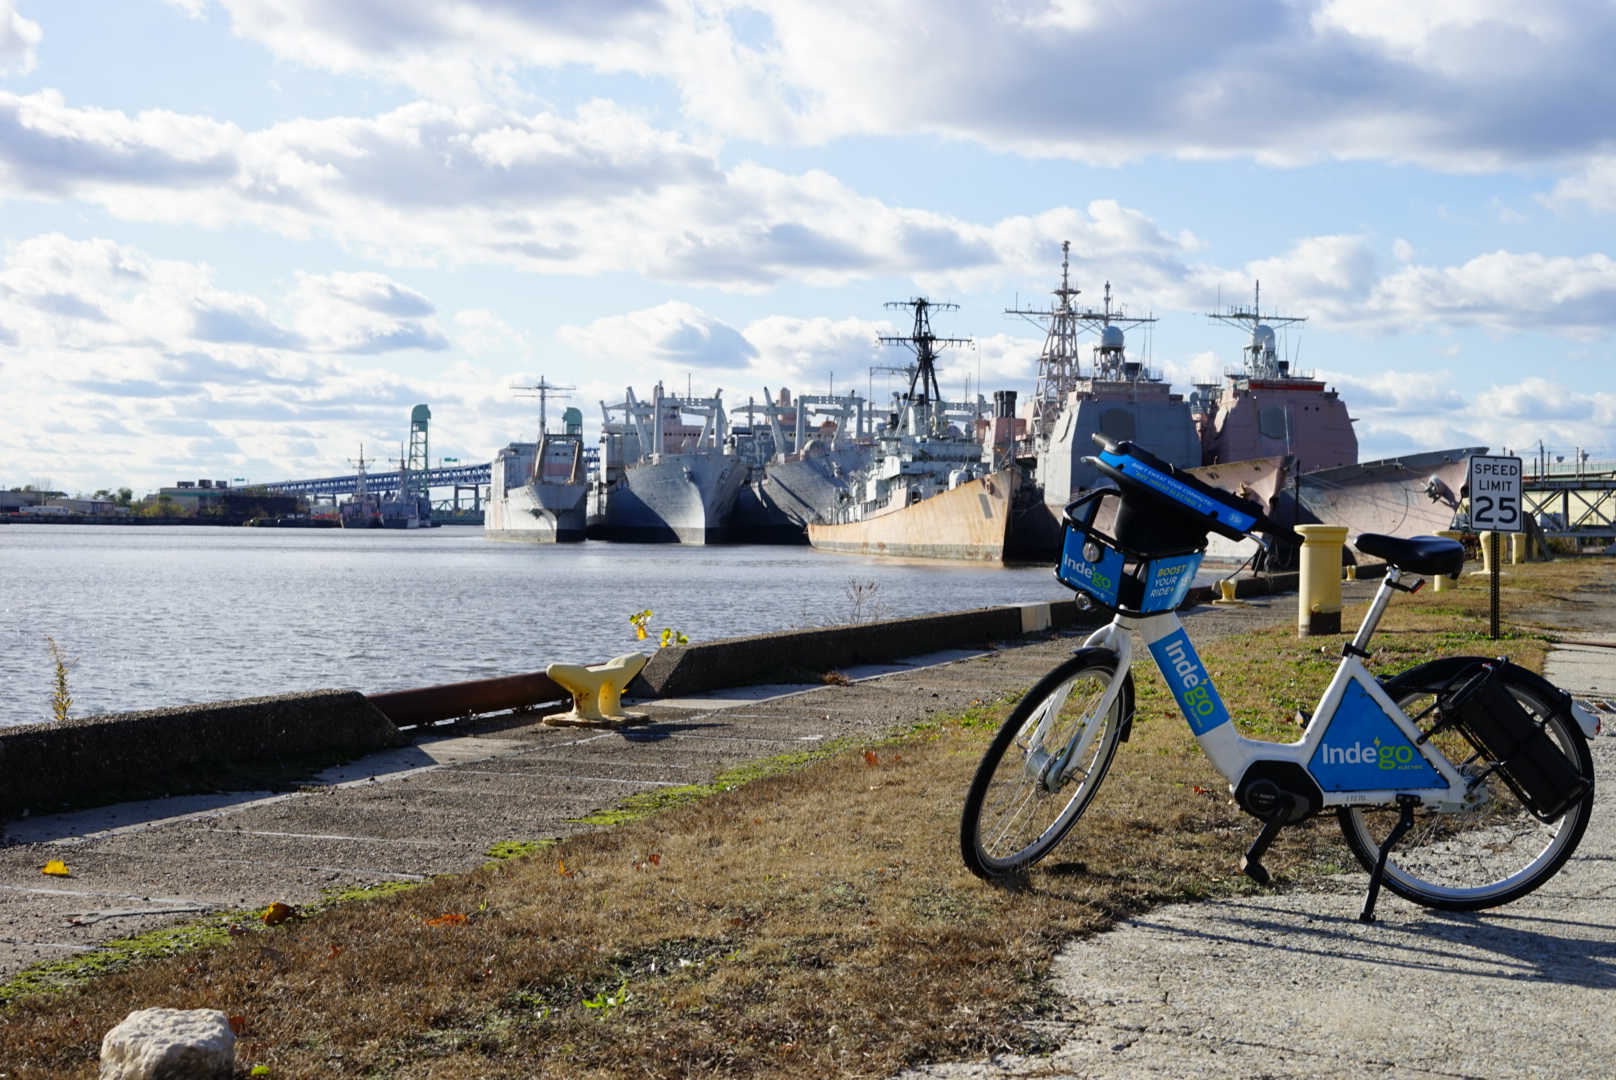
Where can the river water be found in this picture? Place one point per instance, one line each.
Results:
(162, 616)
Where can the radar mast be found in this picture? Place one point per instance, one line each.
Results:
(1260, 358)
(923, 388)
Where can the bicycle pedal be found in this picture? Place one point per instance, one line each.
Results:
(1251, 862)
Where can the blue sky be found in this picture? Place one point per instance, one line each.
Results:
(241, 237)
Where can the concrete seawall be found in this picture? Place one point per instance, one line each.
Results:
(47, 763)
(44, 764)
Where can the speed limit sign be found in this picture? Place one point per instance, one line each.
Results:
(1495, 494)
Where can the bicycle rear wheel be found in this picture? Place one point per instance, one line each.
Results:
(1484, 857)
(1025, 797)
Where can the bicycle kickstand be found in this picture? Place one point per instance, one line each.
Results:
(1251, 862)
(1405, 822)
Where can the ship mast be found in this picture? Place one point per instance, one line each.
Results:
(1059, 365)
(544, 392)
(1058, 369)
(924, 344)
(1260, 358)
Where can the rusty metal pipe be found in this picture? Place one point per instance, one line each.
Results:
(455, 700)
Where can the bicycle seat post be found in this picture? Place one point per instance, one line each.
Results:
(1383, 595)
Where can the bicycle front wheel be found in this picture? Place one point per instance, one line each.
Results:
(1487, 856)
(1043, 766)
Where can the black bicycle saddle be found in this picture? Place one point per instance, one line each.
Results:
(1416, 554)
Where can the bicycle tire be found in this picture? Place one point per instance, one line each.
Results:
(1478, 858)
(1011, 819)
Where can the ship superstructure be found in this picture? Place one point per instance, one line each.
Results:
(662, 478)
(537, 489)
(1113, 395)
(1267, 408)
(933, 488)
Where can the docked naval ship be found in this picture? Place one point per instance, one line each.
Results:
(1267, 409)
(662, 479)
(801, 455)
(1113, 395)
(536, 491)
(933, 488)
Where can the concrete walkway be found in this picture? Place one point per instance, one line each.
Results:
(435, 807)
(1293, 986)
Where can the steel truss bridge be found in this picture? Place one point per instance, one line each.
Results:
(470, 476)
(1573, 506)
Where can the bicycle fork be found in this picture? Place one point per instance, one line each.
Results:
(1053, 769)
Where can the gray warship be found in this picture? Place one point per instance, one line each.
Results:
(537, 489)
(1269, 409)
(801, 455)
(934, 488)
(1116, 396)
(660, 478)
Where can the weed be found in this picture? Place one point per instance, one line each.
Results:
(61, 699)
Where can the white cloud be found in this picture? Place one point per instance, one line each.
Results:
(1401, 412)
(1336, 281)
(1593, 187)
(673, 334)
(481, 332)
(1459, 84)
(125, 366)
(601, 191)
(18, 36)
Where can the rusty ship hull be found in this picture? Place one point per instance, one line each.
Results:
(968, 522)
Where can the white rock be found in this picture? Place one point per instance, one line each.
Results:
(170, 1044)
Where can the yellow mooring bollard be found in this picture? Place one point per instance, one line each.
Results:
(1486, 554)
(597, 691)
(1318, 603)
(1444, 583)
(1517, 548)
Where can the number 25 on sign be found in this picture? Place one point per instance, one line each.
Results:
(1495, 494)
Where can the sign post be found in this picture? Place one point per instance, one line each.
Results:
(1495, 508)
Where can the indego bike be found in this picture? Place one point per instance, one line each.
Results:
(1462, 783)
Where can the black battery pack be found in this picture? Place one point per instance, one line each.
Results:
(1547, 782)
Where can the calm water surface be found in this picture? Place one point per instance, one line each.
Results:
(176, 615)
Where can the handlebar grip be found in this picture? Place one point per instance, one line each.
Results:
(1276, 531)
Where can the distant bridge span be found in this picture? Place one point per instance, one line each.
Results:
(450, 476)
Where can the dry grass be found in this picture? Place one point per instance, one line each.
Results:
(811, 924)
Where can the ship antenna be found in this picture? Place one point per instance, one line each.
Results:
(924, 344)
(544, 392)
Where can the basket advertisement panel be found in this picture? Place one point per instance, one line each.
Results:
(1168, 582)
(1099, 576)
(1179, 491)
(1364, 751)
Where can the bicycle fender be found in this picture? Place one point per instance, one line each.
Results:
(1125, 694)
(1448, 668)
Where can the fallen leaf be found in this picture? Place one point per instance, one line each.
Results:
(448, 918)
(55, 868)
(238, 1024)
(757, 821)
(654, 859)
(278, 913)
(1202, 790)
(870, 758)
(336, 951)
(561, 868)
(237, 930)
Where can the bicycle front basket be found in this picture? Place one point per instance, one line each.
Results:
(1096, 565)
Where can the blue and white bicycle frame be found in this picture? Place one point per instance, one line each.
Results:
(1359, 747)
